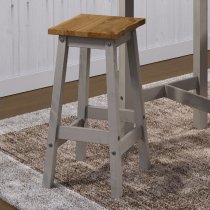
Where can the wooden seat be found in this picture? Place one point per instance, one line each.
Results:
(97, 26)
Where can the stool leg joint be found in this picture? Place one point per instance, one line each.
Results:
(62, 38)
(109, 44)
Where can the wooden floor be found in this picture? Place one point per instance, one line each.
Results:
(39, 99)
(6, 206)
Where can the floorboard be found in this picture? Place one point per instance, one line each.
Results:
(6, 206)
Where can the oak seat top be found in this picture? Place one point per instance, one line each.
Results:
(97, 26)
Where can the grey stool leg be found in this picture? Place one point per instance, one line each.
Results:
(200, 57)
(55, 113)
(113, 119)
(133, 57)
(83, 93)
(126, 101)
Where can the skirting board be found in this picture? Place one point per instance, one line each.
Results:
(43, 79)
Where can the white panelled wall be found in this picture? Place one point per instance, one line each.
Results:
(27, 53)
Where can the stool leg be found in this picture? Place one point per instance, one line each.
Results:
(83, 93)
(200, 58)
(55, 113)
(126, 101)
(138, 100)
(113, 119)
(126, 8)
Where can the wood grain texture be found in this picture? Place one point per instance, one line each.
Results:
(97, 26)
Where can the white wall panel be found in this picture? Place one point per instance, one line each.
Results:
(160, 23)
(7, 22)
(183, 16)
(36, 48)
(28, 52)
(140, 10)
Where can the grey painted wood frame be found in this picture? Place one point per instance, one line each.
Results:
(101, 113)
(130, 138)
(55, 112)
(83, 94)
(188, 98)
(113, 119)
(200, 67)
(80, 134)
(200, 57)
(126, 8)
(158, 91)
(138, 102)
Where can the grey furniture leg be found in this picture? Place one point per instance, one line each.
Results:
(133, 57)
(55, 113)
(83, 93)
(200, 57)
(113, 119)
(126, 8)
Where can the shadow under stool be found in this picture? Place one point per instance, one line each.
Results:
(107, 33)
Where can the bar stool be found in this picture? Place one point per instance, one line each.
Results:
(107, 33)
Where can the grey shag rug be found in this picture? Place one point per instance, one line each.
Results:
(21, 186)
(180, 156)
